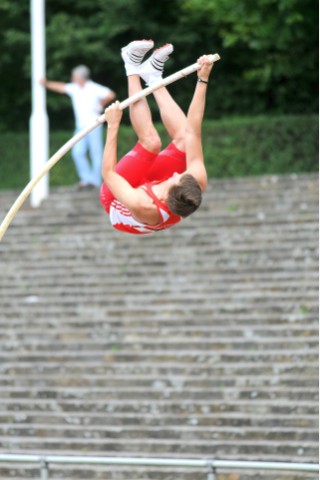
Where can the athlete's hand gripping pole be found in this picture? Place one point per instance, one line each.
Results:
(99, 121)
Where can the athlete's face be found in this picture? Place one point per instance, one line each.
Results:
(171, 182)
(174, 180)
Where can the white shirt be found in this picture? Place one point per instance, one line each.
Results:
(86, 101)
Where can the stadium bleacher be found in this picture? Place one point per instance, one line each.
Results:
(200, 341)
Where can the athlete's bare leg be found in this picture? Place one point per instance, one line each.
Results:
(141, 119)
(172, 117)
(140, 113)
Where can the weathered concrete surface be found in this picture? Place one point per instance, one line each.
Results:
(200, 341)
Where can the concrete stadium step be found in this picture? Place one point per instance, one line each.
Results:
(140, 381)
(138, 344)
(268, 393)
(180, 433)
(116, 330)
(220, 419)
(201, 341)
(160, 407)
(159, 447)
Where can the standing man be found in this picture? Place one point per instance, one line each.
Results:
(88, 101)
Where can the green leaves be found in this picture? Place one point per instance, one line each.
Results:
(233, 147)
(267, 47)
(271, 33)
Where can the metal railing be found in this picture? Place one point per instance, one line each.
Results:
(210, 466)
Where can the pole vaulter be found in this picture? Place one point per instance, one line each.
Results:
(99, 121)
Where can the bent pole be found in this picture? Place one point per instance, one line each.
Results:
(99, 121)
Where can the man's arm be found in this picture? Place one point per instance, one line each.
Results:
(120, 188)
(194, 152)
(108, 99)
(58, 87)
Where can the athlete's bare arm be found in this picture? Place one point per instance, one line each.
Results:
(194, 152)
(120, 188)
(133, 198)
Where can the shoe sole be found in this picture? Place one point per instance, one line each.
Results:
(141, 44)
(166, 50)
(168, 46)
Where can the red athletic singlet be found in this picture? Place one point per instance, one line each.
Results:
(121, 218)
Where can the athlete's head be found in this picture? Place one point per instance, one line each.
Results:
(185, 196)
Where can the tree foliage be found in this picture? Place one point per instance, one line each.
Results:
(268, 50)
(272, 44)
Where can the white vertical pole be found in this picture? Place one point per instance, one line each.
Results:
(39, 125)
(44, 470)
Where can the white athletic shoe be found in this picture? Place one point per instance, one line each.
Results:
(134, 53)
(151, 70)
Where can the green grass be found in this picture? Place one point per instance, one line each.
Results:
(233, 147)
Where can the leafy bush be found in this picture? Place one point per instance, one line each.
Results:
(233, 147)
(261, 145)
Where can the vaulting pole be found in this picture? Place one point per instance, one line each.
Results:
(99, 121)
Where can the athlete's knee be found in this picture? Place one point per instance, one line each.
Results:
(151, 141)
